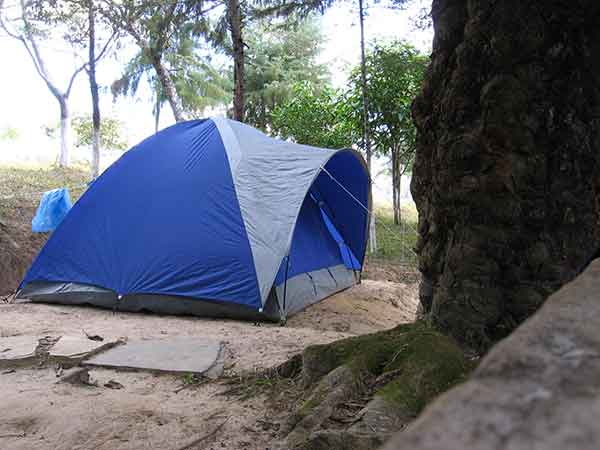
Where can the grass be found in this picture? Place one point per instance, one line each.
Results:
(395, 242)
(21, 186)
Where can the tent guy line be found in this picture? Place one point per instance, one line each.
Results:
(368, 211)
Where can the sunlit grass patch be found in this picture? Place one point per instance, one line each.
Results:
(21, 186)
(395, 242)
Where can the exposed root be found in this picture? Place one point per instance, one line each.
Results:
(400, 370)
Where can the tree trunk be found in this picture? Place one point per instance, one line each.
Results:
(399, 194)
(394, 192)
(169, 88)
(65, 133)
(506, 175)
(234, 18)
(29, 41)
(366, 138)
(396, 178)
(94, 91)
(157, 112)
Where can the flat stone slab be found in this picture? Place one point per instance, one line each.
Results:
(176, 355)
(17, 350)
(74, 348)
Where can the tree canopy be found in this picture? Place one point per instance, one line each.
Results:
(323, 116)
(279, 57)
(315, 116)
(395, 73)
(111, 132)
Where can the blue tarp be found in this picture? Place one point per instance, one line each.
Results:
(53, 208)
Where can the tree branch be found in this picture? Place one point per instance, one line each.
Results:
(3, 24)
(72, 80)
(163, 33)
(30, 45)
(105, 48)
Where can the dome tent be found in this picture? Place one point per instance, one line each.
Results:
(214, 218)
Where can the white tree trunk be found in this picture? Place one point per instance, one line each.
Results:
(65, 134)
(372, 234)
(95, 153)
(366, 140)
(94, 91)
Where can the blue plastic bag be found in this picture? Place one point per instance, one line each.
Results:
(53, 208)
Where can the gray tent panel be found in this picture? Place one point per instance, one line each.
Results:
(308, 288)
(271, 179)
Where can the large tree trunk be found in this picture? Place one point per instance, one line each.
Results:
(169, 89)
(65, 133)
(234, 18)
(506, 176)
(94, 91)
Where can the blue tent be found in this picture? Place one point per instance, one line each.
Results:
(211, 217)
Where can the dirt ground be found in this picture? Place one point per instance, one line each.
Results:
(150, 411)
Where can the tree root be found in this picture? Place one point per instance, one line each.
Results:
(400, 370)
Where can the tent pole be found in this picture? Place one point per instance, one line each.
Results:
(356, 278)
(287, 265)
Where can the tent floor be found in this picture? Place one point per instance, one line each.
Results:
(77, 294)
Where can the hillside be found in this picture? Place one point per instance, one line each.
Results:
(20, 192)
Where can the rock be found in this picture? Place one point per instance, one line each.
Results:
(218, 366)
(175, 355)
(77, 375)
(381, 418)
(70, 350)
(112, 384)
(341, 440)
(18, 351)
(537, 389)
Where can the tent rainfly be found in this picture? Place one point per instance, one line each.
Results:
(211, 218)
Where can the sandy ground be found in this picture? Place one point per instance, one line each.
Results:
(148, 412)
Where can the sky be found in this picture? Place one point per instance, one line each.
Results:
(27, 105)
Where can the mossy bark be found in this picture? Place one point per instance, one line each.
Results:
(506, 176)
(401, 369)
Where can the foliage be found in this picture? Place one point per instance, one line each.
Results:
(156, 25)
(9, 134)
(111, 132)
(165, 32)
(64, 19)
(315, 117)
(199, 83)
(329, 118)
(395, 73)
(303, 8)
(279, 57)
